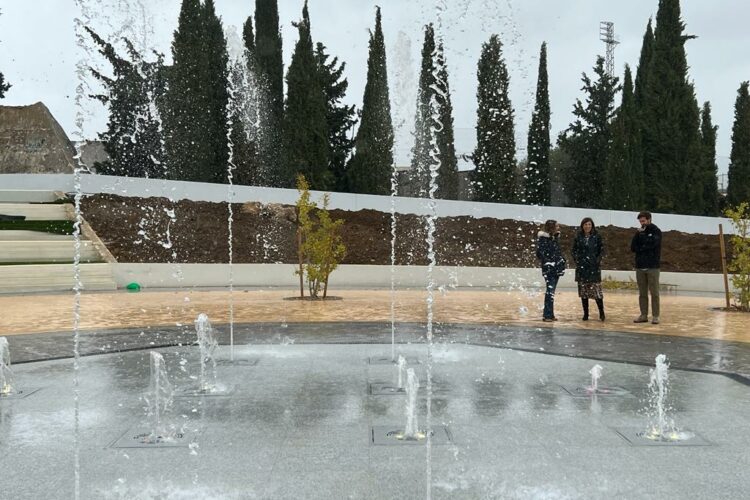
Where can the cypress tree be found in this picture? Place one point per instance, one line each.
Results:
(132, 139)
(624, 173)
(186, 106)
(587, 140)
(447, 180)
(738, 187)
(216, 75)
(671, 139)
(244, 113)
(420, 163)
(495, 155)
(305, 138)
(537, 175)
(268, 50)
(644, 63)
(4, 87)
(370, 168)
(340, 118)
(709, 168)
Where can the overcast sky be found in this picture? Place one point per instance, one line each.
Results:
(38, 52)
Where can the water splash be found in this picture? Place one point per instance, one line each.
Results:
(207, 345)
(6, 375)
(661, 426)
(401, 370)
(159, 399)
(436, 126)
(411, 431)
(596, 374)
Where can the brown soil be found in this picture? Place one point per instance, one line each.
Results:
(135, 230)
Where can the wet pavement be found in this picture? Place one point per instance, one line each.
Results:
(300, 416)
(299, 425)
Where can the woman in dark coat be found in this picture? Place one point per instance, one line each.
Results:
(588, 250)
(553, 264)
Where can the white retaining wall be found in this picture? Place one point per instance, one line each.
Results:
(366, 276)
(178, 190)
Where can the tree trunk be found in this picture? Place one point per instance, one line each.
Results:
(301, 267)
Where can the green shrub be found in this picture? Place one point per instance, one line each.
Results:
(319, 244)
(739, 265)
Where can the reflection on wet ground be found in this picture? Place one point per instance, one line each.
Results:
(298, 426)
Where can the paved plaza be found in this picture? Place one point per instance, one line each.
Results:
(302, 416)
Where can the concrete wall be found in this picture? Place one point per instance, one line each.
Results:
(365, 276)
(177, 190)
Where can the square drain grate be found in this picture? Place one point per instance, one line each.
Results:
(23, 393)
(237, 362)
(607, 392)
(636, 437)
(140, 437)
(389, 436)
(386, 360)
(385, 389)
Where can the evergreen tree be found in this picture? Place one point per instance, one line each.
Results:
(244, 107)
(587, 140)
(671, 135)
(495, 154)
(217, 94)
(305, 139)
(447, 180)
(644, 63)
(268, 50)
(537, 174)
(4, 87)
(624, 172)
(186, 126)
(738, 188)
(340, 118)
(132, 139)
(709, 168)
(370, 168)
(419, 175)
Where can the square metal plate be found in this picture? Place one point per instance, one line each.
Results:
(579, 391)
(386, 389)
(386, 360)
(237, 362)
(385, 436)
(134, 438)
(20, 394)
(636, 438)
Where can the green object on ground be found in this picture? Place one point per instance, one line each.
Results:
(46, 226)
(133, 287)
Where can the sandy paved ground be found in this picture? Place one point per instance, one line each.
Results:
(689, 316)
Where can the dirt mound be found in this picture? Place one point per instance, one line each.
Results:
(141, 230)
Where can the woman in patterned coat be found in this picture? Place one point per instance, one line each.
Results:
(588, 250)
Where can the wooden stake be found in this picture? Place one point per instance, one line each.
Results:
(724, 264)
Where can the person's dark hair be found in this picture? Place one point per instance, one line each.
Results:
(644, 214)
(588, 219)
(549, 226)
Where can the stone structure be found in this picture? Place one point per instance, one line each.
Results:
(31, 141)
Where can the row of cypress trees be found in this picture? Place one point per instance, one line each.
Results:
(656, 150)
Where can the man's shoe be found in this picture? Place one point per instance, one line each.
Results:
(548, 320)
(641, 319)
(655, 320)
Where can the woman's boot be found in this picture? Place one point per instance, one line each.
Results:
(585, 304)
(600, 305)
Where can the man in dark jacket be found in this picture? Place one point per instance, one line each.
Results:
(647, 247)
